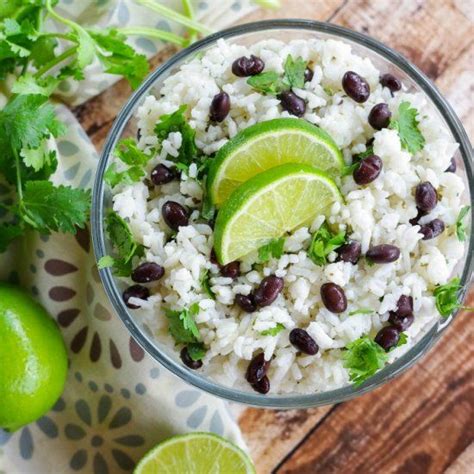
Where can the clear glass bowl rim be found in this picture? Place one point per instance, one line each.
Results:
(283, 401)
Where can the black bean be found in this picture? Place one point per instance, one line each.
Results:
(387, 337)
(452, 167)
(246, 302)
(303, 341)
(257, 368)
(349, 252)
(401, 322)
(135, 291)
(231, 270)
(384, 253)
(188, 361)
(333, 297)
(308, 74)
(415, 220)
(161, 174)
(220, 107)
(355, 86)
(379, 116)
(432, 229)
(292, 103)
(262, 386)
(268, 290)
(147, 272)
(426, 196)
(368, 170)
(390, 81)
(404, 305)
(175, 215)
(244, 67)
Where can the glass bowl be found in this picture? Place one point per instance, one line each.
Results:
(386, 60)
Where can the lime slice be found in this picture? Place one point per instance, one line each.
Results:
(268, 144)
(196, 453)
(271, 203)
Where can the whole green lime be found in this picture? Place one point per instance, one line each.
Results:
(33, 359)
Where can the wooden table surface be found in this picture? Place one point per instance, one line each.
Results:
(423, 421)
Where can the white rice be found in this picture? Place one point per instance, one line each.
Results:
(377, 213)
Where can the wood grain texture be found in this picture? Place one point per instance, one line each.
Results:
(423, 421)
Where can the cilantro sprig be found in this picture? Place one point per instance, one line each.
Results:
(274, 249)
(447, 297)
(406, 125)
(323, 242)
(270, 82)
(460, 229)
(363, 358)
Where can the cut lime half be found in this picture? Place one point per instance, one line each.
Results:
(266, 145)
(196, 453)
(270, 204)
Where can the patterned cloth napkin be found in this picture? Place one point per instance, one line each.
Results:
(118, 402)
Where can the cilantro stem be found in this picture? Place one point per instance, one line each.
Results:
(55, 61)
(154, 33)
(189, 12)
(19, 186)
(174, 16)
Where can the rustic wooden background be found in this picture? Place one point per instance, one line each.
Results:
(422, 422)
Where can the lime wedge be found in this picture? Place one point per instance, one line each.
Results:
(196, 453)
(271, 203)
(268, 144)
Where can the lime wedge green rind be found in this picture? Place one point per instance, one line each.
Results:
(270, 204)
(195, 453)
(269, 144)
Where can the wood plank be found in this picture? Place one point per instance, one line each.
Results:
(273, 434)
(418, 423)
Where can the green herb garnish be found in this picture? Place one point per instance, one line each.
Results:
(363, 358)
(128, 152)
(182, 325)
(125, 247)
(402, 340)
(206, 285)
(349, 169)
(362, 311)
(273, 331)
(196, 351)
(274, 249)
(407, 127)
(294, 72)
(460, 229)
(360, 156)
(447, 297)
(323, 242)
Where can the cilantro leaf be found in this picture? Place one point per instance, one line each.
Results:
(128, 152)
(176, 122)
(120, 58)
(28, 84)
(460, 229)
(363, 358)
(267, 83)
(361, 311)
(196, 351)
(324, 241)
(407, 127)
(125, 246)
(402, 340)
(274, 249)
(182, 325)
(294, 71)
(54, 208)
(349, 169)
(273, 331)
(447, 297)
(8, 233)
(364, 154)
(42, 51)
(206, 285)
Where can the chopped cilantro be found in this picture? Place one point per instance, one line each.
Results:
(182, 325)
(361, 311)
(274, 249)
(447, 297)
(324, 241)
(363, 358)
(402, 340)
(267, 83)
(364, 154)
(294, 71)
(205, 284)
(407, 127)
(124, 246)
(196, 351)
(273, 331)
(460, 229)
(349, 169)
